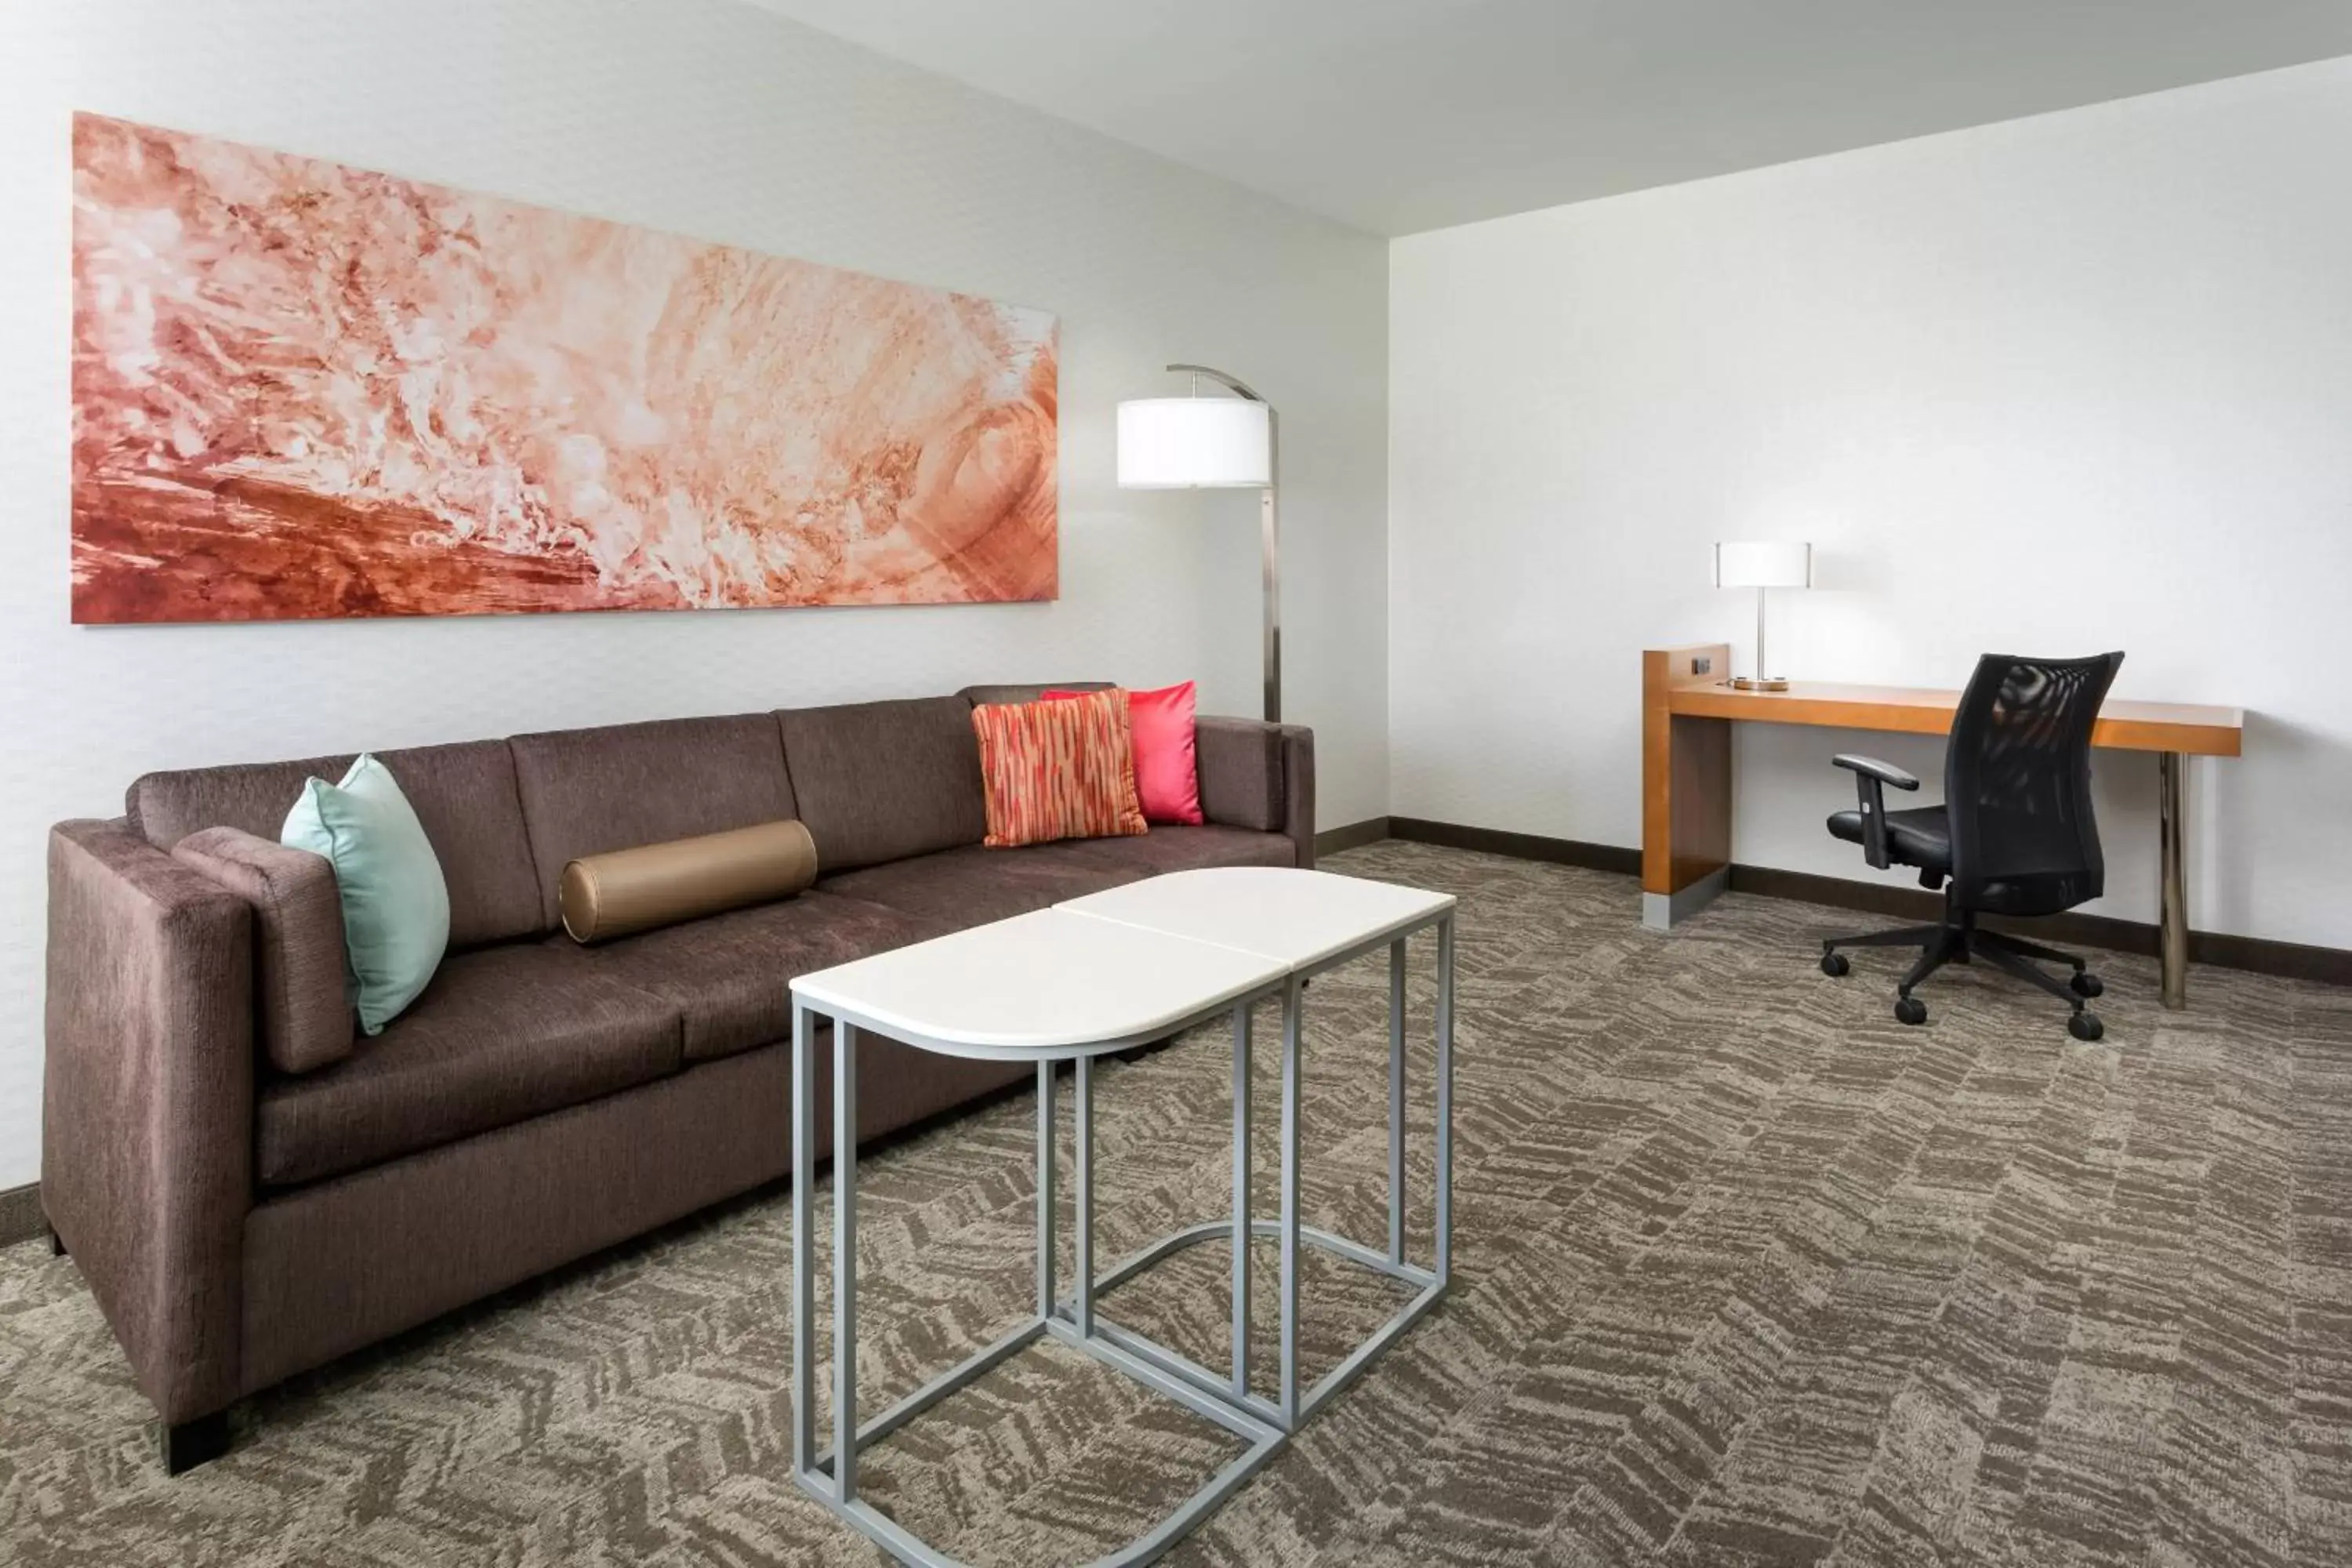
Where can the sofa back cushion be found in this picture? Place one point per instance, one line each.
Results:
(585, 792)
(463, 795)
(884, 781)
(991, 696)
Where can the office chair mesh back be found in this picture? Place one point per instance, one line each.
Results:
(2017, 785)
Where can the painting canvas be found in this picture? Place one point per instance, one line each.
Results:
(303, 390)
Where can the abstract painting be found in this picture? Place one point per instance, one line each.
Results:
(302, 390)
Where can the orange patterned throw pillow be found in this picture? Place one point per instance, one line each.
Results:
(1058, 770)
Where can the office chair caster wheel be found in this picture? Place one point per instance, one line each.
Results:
(1910, 1010)
(2086, 983)
(1835, 964)
(2085, 1025)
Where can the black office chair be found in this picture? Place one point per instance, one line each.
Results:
(2015, 835)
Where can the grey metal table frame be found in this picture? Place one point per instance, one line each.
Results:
(1226, 1397)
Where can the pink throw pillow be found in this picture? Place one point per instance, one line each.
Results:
(1167, 776)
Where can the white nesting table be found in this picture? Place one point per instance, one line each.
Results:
(1308, 922)
(1100, 974)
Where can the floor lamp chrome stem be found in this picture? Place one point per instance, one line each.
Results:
(1270, 547)
(1269, 531)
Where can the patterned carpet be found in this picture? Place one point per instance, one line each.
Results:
(1747, 1273)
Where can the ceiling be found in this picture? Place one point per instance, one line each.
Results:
(1401, 115)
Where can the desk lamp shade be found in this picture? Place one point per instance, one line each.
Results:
(1194, 443)
(1761, 563)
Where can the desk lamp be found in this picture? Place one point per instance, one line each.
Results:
(1762, 564)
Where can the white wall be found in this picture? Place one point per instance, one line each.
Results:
(2068, 383)
(720, 120)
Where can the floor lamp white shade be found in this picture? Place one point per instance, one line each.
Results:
(1214, 443)
(1761, 563)
(1194, 443)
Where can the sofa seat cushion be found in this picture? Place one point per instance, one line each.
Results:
(729, 976)
(1190, 848)
(972, 885)
(501, 1035)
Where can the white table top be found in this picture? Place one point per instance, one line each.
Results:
(1298, 919)
(1051, 984)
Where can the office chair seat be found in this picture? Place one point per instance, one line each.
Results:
(1921, 836)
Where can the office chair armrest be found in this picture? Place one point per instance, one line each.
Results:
(1871, 767)
(1870, 778)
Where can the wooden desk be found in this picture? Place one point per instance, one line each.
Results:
(1687, 718)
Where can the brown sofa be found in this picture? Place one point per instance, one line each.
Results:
(240, 1224)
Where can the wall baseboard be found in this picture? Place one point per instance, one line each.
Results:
(21, 1218)
(2258, 955)
(1518, 845)
(1355, 836)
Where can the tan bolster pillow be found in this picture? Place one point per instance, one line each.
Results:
(605, 896)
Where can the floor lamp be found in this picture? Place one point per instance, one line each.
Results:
(1213, 442)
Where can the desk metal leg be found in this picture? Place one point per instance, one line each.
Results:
(1444, 1101)
(1294, 1003)
(1240, 1199)
(2173, 898)
(1083, 1202)
(1046, 1189)
(844, 1262)
(1396, 1100)
(803, 1249)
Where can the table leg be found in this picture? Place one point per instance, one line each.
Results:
(1294, 1003)
(1685, 788)
(1396, 1100)
(1082, 1178)
(845, 1261)
(803, 1252)
(1240, 1199)
(1044, 1189)
(1445, 1100)
(2173, 896)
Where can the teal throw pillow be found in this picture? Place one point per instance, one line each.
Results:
(395, 904)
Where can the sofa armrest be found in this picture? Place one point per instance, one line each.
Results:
(301, 1005)
(1259, 775)
(147, 1104)
(1298, 790)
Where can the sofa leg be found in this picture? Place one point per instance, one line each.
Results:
(57, 1242)
(188, 1444)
